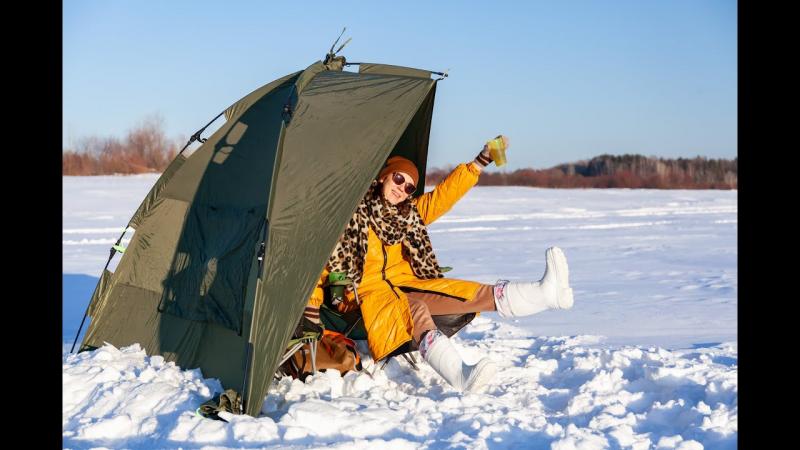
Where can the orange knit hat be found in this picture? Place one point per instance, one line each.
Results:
(400, 164)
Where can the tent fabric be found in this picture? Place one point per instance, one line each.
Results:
(244, 103)
(213, 256)
(230, 241)
(100, 293)
(413, 144)
(387, 69)
(356, 122)
(163, 244)
(153, 197)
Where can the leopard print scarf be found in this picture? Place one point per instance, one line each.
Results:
(392, 224)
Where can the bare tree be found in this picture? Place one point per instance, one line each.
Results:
(144, 149)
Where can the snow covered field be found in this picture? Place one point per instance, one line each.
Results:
(647, 358)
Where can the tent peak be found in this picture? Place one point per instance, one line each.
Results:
(333, 62)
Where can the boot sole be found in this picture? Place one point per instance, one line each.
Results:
(556, 256)
(484, 371)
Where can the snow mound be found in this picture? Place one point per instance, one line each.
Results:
(560, 392)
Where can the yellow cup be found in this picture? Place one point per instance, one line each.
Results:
(497, 148)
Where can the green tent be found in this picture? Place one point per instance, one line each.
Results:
(231, 240)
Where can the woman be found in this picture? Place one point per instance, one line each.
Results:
(386, 250)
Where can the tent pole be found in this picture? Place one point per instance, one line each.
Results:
(196, 136)
(441, 74)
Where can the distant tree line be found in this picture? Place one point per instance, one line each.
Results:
(610, 171)
(144, 149)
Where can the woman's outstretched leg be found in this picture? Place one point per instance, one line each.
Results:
(437, 349)
(441, 305)
(515, 299)
(509, 299)
(440, 353)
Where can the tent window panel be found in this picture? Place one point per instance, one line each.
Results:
(212, 265)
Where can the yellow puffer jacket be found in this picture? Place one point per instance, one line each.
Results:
(384, 306)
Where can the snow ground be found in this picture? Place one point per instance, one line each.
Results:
(647, 358)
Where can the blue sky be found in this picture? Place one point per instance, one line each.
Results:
(565, 80)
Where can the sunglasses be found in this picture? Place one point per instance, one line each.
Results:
(399, 180)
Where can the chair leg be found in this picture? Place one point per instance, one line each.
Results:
(313, 345)
(410, 358)
(407, 356)
(289, 353)
(349, 330)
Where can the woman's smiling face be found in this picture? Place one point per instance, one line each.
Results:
(395, 193)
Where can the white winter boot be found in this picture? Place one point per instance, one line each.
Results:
(551, 292)
(442, 355)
